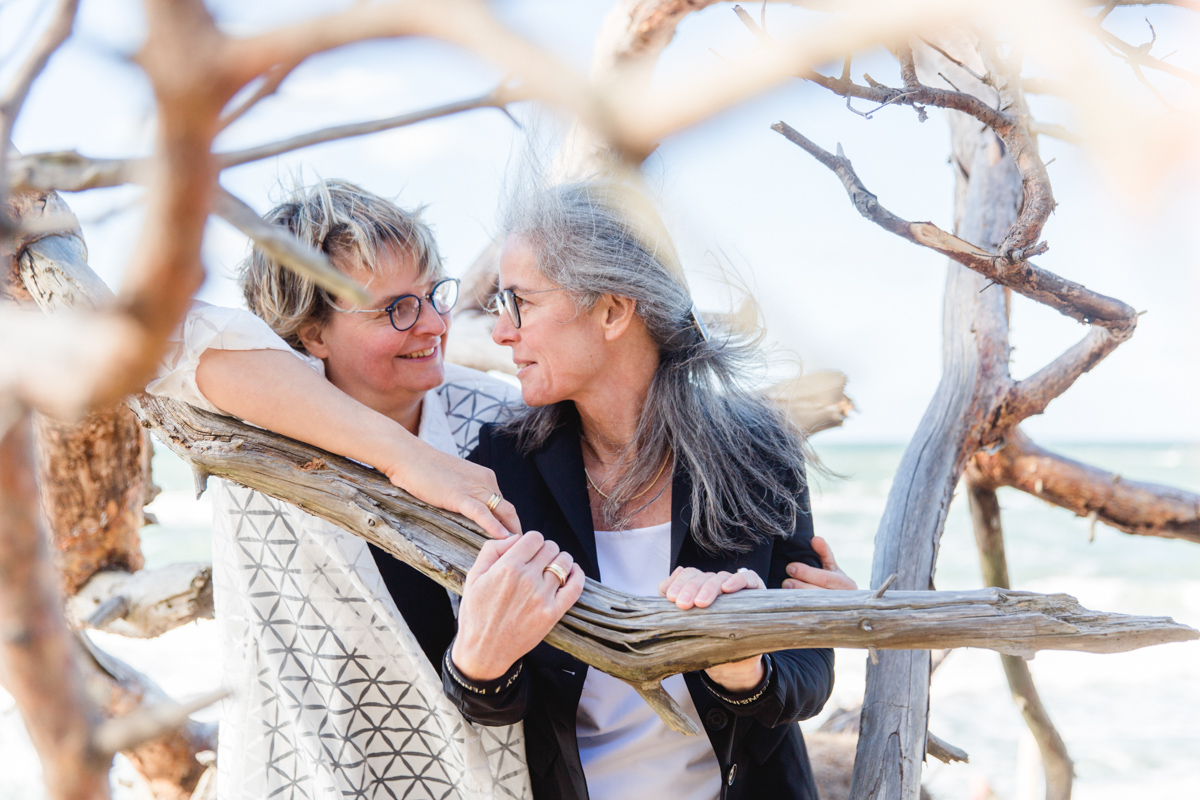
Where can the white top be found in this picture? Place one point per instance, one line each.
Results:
(626, 749)
(333, 697)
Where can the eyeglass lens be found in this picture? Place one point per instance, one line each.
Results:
(509, 301)
(404, 312)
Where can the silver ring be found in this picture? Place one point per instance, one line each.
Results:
(493, 501)
(557, 571)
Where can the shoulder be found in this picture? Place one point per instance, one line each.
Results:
(472, 399)
(462, 380)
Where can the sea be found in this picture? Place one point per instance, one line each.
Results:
(1131, 721)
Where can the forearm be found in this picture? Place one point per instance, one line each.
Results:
(275, 390)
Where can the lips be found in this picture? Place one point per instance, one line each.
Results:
(420, 353)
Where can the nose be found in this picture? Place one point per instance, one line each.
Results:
(504, 332)
(429, 321)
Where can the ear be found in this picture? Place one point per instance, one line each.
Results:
(618, 313)
(312, 336)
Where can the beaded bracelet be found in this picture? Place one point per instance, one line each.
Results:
(485, 688)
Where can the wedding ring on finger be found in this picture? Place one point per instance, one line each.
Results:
(556, 569)
(493, 501)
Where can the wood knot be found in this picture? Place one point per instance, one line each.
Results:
(866, 626)
(314, 464)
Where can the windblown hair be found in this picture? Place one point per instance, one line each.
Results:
(746, 461)
(355, 228)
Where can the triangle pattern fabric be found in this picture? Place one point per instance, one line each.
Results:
(333, 697)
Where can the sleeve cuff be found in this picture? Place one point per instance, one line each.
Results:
(485, 688)
(750, 695)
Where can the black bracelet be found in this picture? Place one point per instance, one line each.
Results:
(747, 697)
(492, 687)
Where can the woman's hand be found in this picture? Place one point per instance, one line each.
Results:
(829, 576)
(688, 587)
(510, 603)
(448, 482)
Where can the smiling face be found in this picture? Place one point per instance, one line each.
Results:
(559, 350)
(388, 370)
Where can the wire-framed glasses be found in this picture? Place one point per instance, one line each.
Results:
(404, 311)
(509, 302)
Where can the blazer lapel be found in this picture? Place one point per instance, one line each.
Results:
(560, 463)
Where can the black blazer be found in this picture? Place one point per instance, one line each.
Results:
(758, 745)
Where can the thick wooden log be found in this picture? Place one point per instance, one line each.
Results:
(641, 639)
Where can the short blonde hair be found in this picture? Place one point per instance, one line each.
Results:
(352, 226)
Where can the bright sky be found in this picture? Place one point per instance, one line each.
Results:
(835, 290)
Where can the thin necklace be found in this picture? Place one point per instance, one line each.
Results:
(653, 481)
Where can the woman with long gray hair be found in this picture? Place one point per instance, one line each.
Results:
(644, 463)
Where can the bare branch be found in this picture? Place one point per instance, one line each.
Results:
(1055, 131)
(989, 538)
(1032, 395)
(1023, 277)
(148, 723)
(68, 171)
(1145, 509)
(146, 603)
(271, 80)
(1137, 56)
(499, 97)
(287, 249)
(61, 22)
(944, 751)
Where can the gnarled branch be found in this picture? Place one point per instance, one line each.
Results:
(989, 538)
(641, 640)
(1145, 509)
(1067, 297)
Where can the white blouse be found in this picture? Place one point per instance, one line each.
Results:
(626, 749)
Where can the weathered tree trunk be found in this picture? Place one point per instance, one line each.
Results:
(892, 744)
(39, 663)
(94, 481)
(989, 538)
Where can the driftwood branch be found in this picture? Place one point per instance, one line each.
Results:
(989, 538)
(287, 249)
(1066, 297)
(641, 640)
(1137, 56)
(499, 98)
(1145, 509)
(171, 762)
(146, 603)
(271, 80)
(1031, 396)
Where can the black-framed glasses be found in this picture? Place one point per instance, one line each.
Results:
(510, 302)
(404, 311)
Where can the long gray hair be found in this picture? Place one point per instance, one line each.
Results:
(746, 461)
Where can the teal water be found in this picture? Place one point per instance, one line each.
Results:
(1131, 721)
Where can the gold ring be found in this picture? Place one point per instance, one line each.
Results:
(557, 571)
(493, 501)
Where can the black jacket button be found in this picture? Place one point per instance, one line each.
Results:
(732, 775)
(716, 719)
